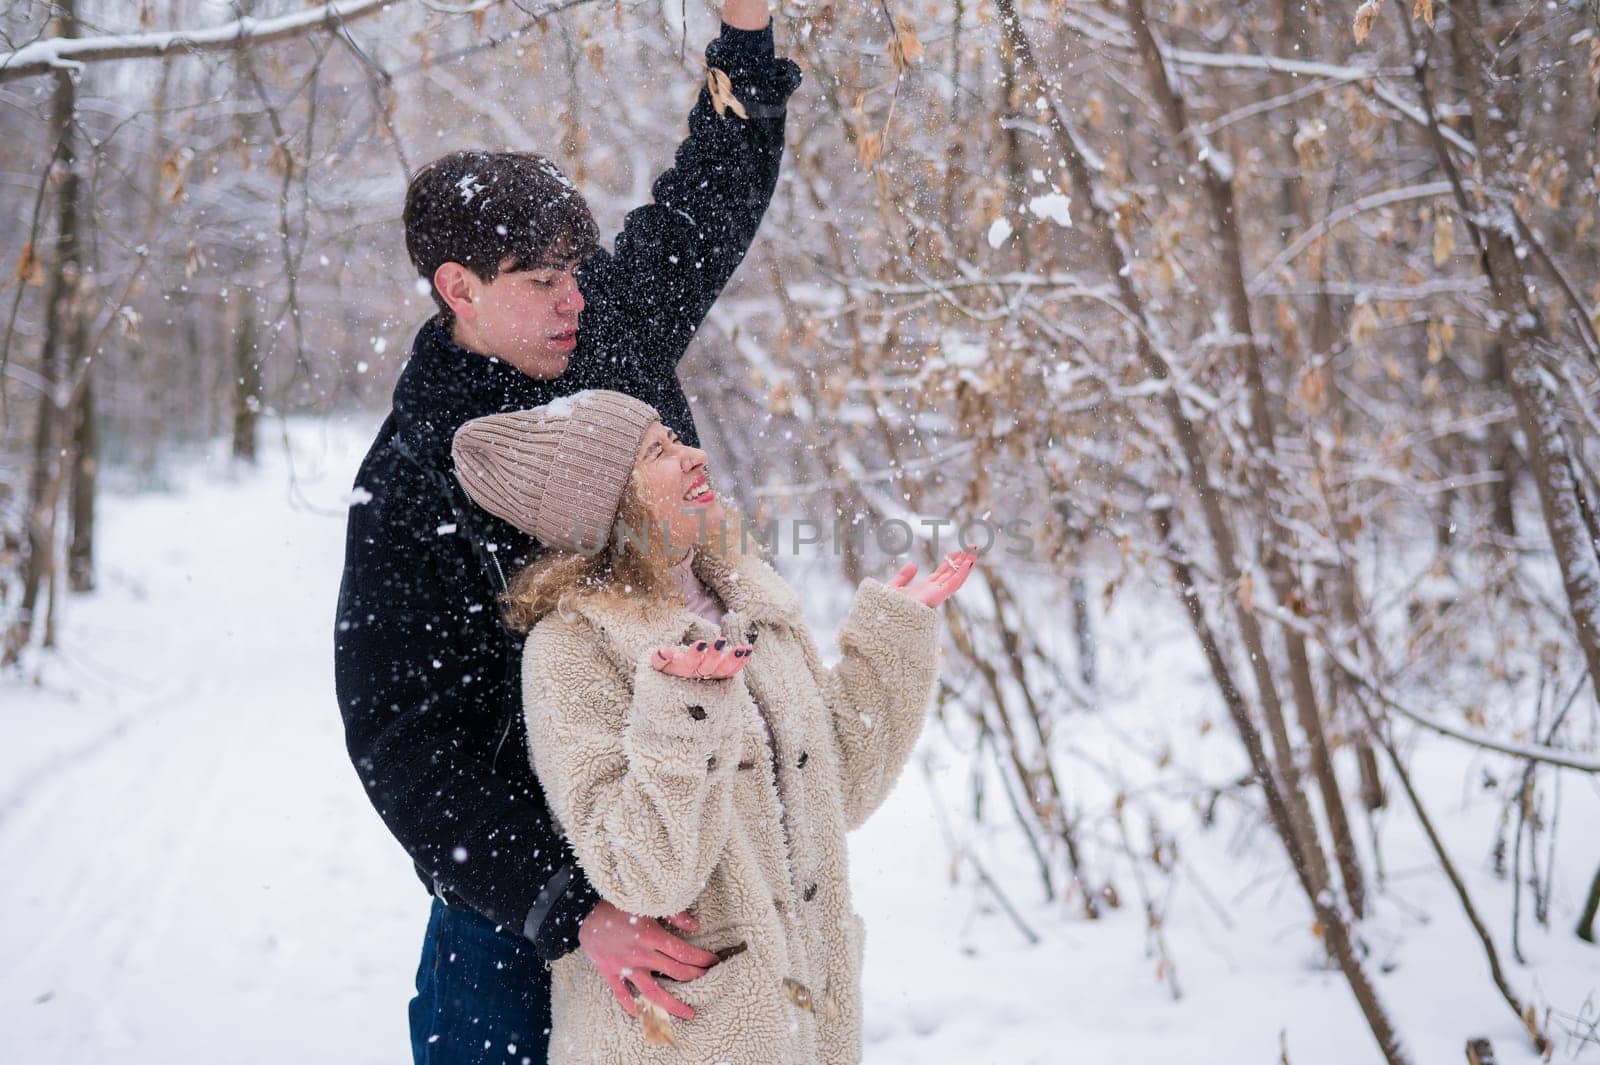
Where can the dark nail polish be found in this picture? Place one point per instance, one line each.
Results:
(701, 646)
(720, 644)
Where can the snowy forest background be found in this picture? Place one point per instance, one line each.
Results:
(1277, 321)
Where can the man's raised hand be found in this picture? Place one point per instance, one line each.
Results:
(746, 14)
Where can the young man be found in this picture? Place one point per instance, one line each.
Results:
(530, 309)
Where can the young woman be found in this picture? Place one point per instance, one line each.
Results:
(694, 748)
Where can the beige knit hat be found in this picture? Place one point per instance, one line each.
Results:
(556, 472)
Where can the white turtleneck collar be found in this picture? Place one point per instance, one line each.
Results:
(701, 600)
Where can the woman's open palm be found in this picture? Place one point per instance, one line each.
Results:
(939, 585)
(706, 660)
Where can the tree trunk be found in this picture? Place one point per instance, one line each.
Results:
(246, 381)
(61, 304)
(85, 481)
(1218, 185)
(1304, 853)
(1503, 456)
(1083, 633)
(1526, 338)
(1590, 907)
(1334, 930)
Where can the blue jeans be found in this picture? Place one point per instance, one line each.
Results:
(482, 996)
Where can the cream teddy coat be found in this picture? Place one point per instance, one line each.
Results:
(674, 797)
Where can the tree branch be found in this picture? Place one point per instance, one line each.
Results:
(57, 53)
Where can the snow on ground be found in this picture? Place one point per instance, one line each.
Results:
(193, 874)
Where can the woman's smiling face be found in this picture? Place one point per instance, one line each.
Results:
(670, 479)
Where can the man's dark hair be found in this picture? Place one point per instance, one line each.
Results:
(480, 209)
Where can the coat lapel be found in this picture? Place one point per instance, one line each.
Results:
(751, 591)
(747, 585)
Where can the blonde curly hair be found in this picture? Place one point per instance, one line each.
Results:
(559, 580)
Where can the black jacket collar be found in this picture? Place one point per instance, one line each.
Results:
(444, 385)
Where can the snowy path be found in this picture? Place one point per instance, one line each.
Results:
(195, 855)
(193, 875)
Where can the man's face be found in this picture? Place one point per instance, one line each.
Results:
(527, 317)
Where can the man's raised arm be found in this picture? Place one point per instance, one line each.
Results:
(675, 255)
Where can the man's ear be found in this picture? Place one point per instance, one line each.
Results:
(459, 288)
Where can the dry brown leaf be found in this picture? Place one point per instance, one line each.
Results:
(1094, 111)
(1125, 215)
(869, 149)
(1313, 389)
(779, 400)
(904, 49)
(1366, 16)
(1311, 143)
(1547, 178)
(799, 994)
(1363, 323)
(821, 23)
(722, 97)
(1440, 334)
(128, 321)
(1444, 238)
(174, 174)
(1423, 9)
(1247, 591)
(29, 270)
(717, 102)
(657, 1025)
(1109, 593)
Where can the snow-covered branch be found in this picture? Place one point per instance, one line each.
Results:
(58, 53)
(1367, 203)
(1577, 760)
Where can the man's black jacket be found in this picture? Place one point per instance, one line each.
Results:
(427, 677)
